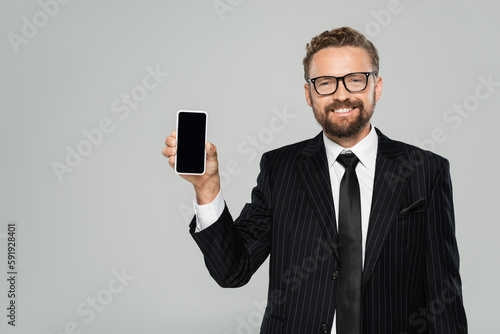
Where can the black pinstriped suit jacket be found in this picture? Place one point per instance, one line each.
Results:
(411, 281)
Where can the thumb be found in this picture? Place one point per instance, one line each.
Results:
(211, 151)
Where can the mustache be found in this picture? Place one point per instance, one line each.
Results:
(345, 104)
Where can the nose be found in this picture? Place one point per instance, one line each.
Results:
(342, 93)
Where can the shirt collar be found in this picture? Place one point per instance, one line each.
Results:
(365, 150)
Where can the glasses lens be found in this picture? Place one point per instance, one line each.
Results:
(325, 85)
(355, 82)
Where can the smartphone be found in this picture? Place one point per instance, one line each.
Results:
(191, 139)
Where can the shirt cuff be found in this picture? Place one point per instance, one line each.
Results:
(208, 214)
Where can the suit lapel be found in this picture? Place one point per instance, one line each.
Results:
(314, 175)
(387, 195)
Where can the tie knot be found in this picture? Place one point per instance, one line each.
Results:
(348, 160)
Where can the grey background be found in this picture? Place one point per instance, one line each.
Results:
(123, 208)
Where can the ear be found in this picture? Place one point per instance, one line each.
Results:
(308, 94)
(378, 88)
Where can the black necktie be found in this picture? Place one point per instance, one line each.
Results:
(349, 296)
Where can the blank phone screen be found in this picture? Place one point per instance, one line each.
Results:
(191, 137)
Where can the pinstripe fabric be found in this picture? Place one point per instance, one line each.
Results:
(411, 282)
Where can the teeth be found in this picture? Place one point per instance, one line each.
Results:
(342, 110)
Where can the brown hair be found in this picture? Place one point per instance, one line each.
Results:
(344, 36)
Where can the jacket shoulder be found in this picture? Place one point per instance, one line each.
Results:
(293, 152)
(407, 153)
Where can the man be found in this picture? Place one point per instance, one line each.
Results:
(359, 228)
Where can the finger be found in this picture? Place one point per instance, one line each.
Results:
(173, 136)
(169, 151)
(165, 152)
(170, 141)
(211, 151)
(171, 162)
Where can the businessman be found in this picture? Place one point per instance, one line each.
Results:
(359, 228)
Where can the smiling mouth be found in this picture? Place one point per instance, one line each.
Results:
(342, 110)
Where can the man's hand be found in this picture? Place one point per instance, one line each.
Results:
(206, 186)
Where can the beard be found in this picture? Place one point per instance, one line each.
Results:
(346, 127)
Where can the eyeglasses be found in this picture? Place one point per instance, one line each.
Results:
(353, 82)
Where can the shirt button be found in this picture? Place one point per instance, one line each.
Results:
(324, 328)
(335, 275)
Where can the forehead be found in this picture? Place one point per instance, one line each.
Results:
(339, 61)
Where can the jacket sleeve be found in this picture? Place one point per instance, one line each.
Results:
(444, 311)
(234, 250)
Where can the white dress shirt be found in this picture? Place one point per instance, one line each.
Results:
(365, 150)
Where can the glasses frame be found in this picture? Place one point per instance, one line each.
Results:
(313, 80)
